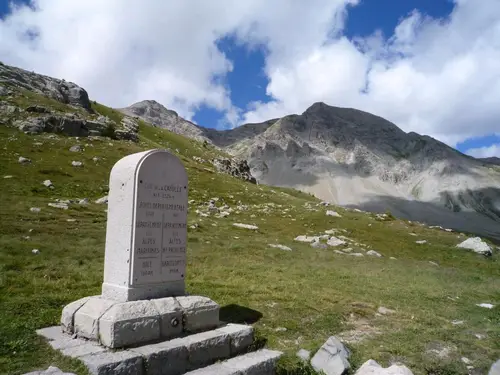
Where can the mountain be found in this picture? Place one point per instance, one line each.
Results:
(159, 116)
(356, 159)
(491, 160)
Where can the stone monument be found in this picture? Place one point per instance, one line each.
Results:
(143, 309)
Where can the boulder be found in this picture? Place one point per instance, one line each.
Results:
(477, 245)
(331, 358)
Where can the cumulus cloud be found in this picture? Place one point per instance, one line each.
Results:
(433, 76)
(127, 51)
(485, 152)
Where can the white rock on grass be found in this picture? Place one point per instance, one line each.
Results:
(8, 176)
(331, 358)
(77, 163)
(373, 253)
(304, 354)
(83, 201)
(62, 206)
(333, 213)
(371, 367)
(477, 245)
(318, 245)
(23, 160)
(385, 311)
(306, 239)
(486, 305)
(421, 242)
(103, 200)
(48, 184)
(35, 209)
(245, 226)
(75, 148)
(35, 251)
(334, 241)
(281, 247)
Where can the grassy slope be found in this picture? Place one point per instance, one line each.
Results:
(313, 293)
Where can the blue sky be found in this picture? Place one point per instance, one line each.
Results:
(265, 69)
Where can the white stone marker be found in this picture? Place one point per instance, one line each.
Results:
(146, 230)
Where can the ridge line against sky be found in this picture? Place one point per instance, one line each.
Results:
(429, 66)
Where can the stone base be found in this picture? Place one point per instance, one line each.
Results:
(116, 324)
(197, 353)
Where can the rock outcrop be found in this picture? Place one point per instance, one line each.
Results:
(58, 89)
(75, 118)
(234, 167)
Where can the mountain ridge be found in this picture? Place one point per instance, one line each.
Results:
(356, 159)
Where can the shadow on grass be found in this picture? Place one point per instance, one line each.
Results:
(239, 314)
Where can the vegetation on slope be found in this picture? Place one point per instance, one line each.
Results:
(312, 292)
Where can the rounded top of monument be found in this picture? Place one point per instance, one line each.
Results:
(130, 163)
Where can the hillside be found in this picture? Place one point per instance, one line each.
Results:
(359, 160)
(294, 298)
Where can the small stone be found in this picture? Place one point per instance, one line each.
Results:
(75, 148)
(485, 305)
(8, 176)
(385, 311)
(334, 241)
(24, 160)
(433, 263)
(35, 209)
(306, 239)
(245, 226)
(95, 159)
(48, 183)
(355, 254)
(421, 242)
(373, 253)
(281, 247)
(63, 206)
(70, 220)
(83, 201)
(466, 360)
(333, 213)
(457, 322)
(304, 354)
(77, 163)
(318, 245)
(103, 200)
(392, 258)
(35, 251)
(280, 329)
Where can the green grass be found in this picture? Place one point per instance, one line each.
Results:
(313, 293)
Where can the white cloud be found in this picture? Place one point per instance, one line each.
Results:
(123, 51)
(436, 77)
(485, 152)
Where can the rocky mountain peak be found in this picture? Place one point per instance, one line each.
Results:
(150, 108)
